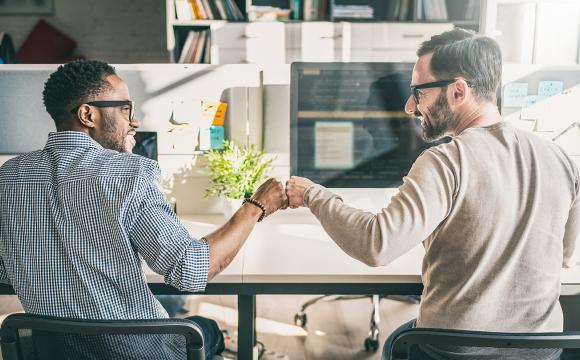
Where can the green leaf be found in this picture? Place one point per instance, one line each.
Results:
(235, 172)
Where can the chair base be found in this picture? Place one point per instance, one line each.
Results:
(371, 342)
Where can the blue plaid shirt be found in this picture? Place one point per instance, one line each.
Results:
(74, 218)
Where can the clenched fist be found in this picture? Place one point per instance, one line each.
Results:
(295, 189)
(272, 195)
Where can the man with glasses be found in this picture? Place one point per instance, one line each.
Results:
(76, 216)
(495, 233)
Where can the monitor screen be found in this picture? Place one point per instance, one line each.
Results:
(348, 128)
(146, 144)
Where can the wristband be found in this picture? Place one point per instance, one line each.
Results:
(258, 204)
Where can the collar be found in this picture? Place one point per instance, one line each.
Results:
(70, 139)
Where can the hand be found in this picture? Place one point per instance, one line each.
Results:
(272, 195)
(295, 189)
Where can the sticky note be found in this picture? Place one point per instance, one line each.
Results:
(514, 94)
(531, 100)
(218, 119)
(214, 112)
(550, 88)
(216, 134)
(211, 138)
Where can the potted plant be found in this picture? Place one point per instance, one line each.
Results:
(235, 173)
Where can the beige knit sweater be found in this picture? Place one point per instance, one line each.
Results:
(498, 211)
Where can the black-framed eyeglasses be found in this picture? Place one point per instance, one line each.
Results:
(435, 84)
(110, 103)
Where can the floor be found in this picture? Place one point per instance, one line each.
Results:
(334, 330)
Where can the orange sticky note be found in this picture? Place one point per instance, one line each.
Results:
(220, 114)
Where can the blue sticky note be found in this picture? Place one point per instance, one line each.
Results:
(531, 100)
(216, 135)
(514, 94)
(550, 88)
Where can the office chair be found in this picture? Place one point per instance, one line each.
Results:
(371, 342)
(12, 340)
(569, 341)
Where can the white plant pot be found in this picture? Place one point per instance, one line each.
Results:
(230, 206)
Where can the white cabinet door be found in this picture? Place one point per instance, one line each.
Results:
(228, 35)
(318, 41)
(408, 35)
(265, 43)
(388, 41)
(260, 43)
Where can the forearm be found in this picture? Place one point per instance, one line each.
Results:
(226, 241)
(355, 231)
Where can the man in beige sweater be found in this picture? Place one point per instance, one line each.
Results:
(497, 208)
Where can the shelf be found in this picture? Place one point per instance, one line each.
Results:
(464, 22)
(202, 22)
(216, 22)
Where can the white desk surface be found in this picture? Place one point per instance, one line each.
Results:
(295, 249)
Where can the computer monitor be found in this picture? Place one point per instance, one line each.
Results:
(146, 144)
(348, 128)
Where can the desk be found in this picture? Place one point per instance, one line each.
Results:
(291, 254)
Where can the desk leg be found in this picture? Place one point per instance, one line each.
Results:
(246, 326)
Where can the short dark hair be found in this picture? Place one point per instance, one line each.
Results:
(70, 84)
(460, 52)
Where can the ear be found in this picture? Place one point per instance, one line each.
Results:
(460, 92)
(87, 116)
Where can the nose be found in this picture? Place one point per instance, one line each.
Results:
(135, 123)
(411, 106)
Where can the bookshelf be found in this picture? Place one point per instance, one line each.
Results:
(419, 17)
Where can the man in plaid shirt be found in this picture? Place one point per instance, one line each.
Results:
(76, 215)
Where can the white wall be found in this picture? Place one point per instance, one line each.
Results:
(115, 31)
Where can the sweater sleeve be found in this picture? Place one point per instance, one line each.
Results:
(572, 230)
(422, 203)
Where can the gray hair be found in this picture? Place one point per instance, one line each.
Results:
(460, 52)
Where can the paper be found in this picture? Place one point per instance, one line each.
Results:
(185, 112)
(550, 88)
(514, 94)
(211, 138)
(531, 100)
(333, 146)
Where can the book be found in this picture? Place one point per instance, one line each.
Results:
(199, 48)
(194, 9)
(214, 10)
(296, 9)
(238, 15)
(183, 10)
(185, 56)
(220, 5)
(45, 45)
(229, 10)
(202, 14)
(207, 9)
(207, 51)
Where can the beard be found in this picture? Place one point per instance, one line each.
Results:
(440, 117)
(113, 139)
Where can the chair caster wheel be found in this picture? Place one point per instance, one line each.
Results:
(300, 319)
(371, 345)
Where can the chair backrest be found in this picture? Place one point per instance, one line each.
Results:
(407, 338)
(10, 334)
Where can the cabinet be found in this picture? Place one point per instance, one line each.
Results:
(526, 30)
(279, 42)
